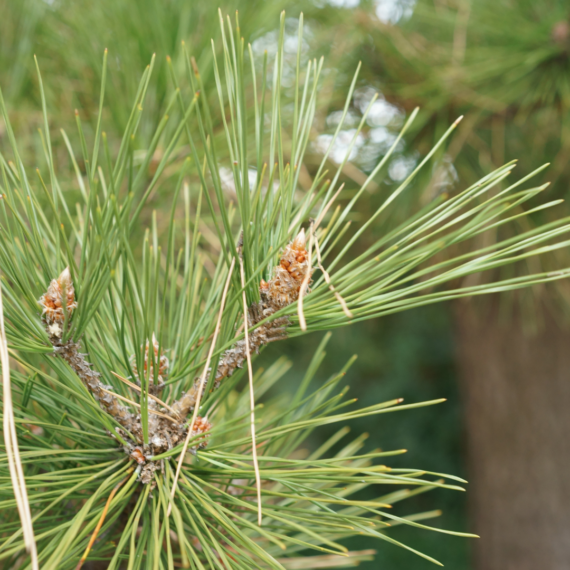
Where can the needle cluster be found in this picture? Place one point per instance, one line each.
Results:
(154, 306)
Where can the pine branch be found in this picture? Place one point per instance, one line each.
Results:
(166, 429)
(279, 292)
(145, 293)
(58, 304)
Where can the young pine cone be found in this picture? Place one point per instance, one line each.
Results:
(60, 291)
(285, 286)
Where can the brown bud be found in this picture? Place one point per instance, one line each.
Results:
(162, 360)
(138, 455)
(201, 426)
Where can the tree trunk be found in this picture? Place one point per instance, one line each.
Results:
(516, 389)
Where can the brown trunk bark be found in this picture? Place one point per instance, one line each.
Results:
(516, 389)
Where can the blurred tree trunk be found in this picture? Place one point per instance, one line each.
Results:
(516, 389)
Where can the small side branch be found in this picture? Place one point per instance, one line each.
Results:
(292, 275)
(58, 303)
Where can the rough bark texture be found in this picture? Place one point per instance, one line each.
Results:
(69, 351)
(516, 388)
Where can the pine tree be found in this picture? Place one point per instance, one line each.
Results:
(132, 429)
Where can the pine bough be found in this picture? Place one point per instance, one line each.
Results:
(136, 332)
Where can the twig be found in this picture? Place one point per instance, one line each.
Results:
(135, 387)
(138, 405)
(13, 451)
(251, 395)
(102, 519)
(305, 283)
(331, 286)
(201, 387)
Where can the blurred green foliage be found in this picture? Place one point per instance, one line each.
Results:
(503, 65)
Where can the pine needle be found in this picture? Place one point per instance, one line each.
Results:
(305, 284)
(201, 386)
(138, 388)
(338, 296)
(102, 518)
(12, 449)
(326, 208)
(352, 558)
(251, 395)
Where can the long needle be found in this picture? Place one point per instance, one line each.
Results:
(251, 395)
(305, 284)
(12, 450)
(102, 519)
(135, 387)
(201, 387)
(338, 296)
